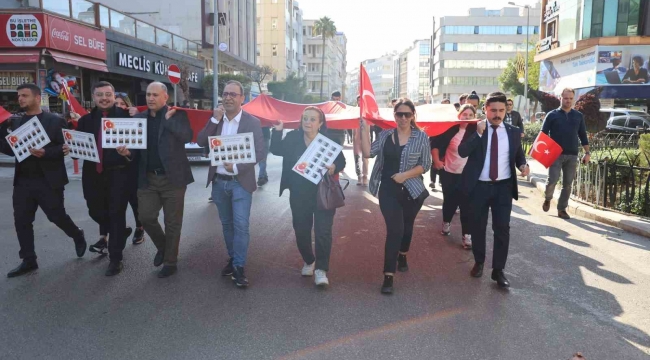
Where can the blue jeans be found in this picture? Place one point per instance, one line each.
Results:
(234, 205)
(262, 163)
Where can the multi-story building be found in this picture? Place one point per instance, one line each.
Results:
(352, 86)
(596, 43)
(335, 61)
(279, 37)
(381, 73)
(402, 67)
(470, 52)
(417, 78)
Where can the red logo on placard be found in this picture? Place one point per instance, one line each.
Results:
(68, 135)
(108, 124)
(301, 167)
(215, 143)
(13, 140)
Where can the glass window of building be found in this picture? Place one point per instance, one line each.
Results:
(83, 11)
(163, 38)
(104, 17)
(180, 44)
(122, 23)
(193, 48)
(274, 23)
(145, 32)
(57, 6)
(274, 49)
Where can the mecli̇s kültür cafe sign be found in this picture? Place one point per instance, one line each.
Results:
(141, 63)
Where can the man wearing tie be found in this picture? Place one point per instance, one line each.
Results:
(490, 181)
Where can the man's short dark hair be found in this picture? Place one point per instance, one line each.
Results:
(241, 87)
(394, 101)
(101, 84)
(569, 90)
(510, 100)
(496, 97)
(36, 91)
(463, 97)
(336, 93)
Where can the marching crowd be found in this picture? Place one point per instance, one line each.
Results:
(477, 162)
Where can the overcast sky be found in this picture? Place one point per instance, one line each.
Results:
(377, 27)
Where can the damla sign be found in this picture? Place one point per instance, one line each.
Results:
(143, 64)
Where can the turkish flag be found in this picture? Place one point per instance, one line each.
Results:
(367, 101)
(545, 150)
(4, 114)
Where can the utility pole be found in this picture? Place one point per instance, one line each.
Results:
(215, 57)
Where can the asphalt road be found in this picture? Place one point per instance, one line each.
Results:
(577, 286)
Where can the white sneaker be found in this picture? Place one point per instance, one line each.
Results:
(446, 228)
(467, 241)
(321, 278)
(308, 270)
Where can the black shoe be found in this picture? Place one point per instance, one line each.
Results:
(546, 205)
(262, 181)
(138, 237)
(477, 270)
(80, 244)
(562, 214)
(25, 267)
(432, 186)
(99, 247)
(227, 271)
(160, 257)
(402, 265)
(167, 271)
(500, 278)
(239, 278)
(114, 268)
(387, 286)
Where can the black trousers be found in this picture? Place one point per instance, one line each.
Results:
(107, 195)
(434, 173)
(498, 198)
(133, 200)
(452, 199)
(29, 195)
(305, 216)
(399, 213)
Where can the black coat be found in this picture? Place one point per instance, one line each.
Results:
(52, 163)
(441, 142)
(91, 123)
(476, 148)
(517, 120)
(291, 149)
(172, 137)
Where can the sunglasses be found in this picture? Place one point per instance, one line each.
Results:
(404, 114)
(229, 94)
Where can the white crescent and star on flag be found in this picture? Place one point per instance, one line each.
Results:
(537, 143)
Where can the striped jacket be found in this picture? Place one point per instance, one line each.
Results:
(416, 152)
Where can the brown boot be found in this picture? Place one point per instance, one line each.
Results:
(547, 205)
(562, 214)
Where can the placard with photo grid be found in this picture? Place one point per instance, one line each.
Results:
(82, 145)
(131, 133)
(233, 149)
(31, 135)
(320, 154)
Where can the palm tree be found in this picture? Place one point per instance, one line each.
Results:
(324, 27)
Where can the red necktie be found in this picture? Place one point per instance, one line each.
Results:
(100, 151)
(494, 154)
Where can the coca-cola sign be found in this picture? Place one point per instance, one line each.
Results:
(77, 39)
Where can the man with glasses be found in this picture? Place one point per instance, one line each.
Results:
(513, 117)
(164, 175)
(106, 184)
(233, 184)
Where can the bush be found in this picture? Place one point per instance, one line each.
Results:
(532, 129)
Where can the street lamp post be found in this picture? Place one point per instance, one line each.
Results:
(527, 7)
(215, 57)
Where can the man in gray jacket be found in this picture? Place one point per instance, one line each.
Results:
(233, 184)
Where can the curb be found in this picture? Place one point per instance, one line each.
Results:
(588, 211)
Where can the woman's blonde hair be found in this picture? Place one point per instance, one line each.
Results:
(465, 107)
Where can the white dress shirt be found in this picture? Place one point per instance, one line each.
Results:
(230, 127)
(503, 154)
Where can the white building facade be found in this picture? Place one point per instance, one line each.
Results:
(335, 61)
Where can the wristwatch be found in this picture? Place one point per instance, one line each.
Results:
(587, 153)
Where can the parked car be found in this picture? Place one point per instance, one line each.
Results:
(195, 153)
(625, 120)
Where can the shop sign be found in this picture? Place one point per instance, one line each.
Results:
(22, 30)
(11, 80)
(141, 63)
(67, 36)
(552, 10)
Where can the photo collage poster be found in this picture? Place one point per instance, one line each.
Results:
(82, 145)
(31, 135)
(320, 154)
(233, 149)
(131, 133)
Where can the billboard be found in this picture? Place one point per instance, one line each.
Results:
(623, 65)
(574, 70)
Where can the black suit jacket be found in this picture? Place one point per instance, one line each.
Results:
(174, 133)
(476, 148)
(91, 123)
(52, 163)
(517, 120)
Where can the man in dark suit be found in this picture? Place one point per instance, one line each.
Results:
(106, 185)
(513, 117)
(39, 181)
(233, 184)
(490, 181)
(164, 175)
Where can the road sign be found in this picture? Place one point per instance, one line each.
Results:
(223, 46)
(174, 74)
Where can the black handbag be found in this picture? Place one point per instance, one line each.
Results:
(330, 194)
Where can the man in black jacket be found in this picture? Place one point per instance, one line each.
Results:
(106, 184)
(164, 175)
(39, 181)
(513, 117)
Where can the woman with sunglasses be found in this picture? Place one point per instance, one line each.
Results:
(403, 155)
(446, 159)
(122, 101)
(303, 193)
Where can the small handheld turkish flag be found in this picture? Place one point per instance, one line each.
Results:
(545, 150)
(4, 114)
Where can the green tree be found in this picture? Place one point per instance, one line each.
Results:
(292, 89)
(223, 79)
(324, 27)
(509, 78)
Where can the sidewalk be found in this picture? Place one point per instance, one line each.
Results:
(7, 167)
(630, 223)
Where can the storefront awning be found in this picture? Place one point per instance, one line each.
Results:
(30, 56)
(77, 60)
